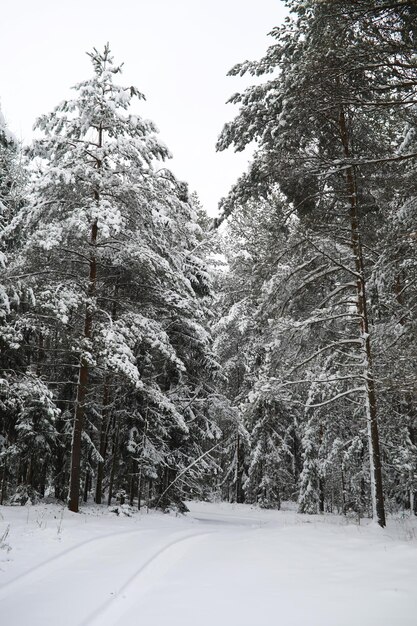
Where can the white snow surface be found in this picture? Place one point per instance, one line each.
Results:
(220, 565)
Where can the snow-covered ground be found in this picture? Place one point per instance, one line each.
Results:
(221, 565)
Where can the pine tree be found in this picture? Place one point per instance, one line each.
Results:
(122, 303)
(312, 124)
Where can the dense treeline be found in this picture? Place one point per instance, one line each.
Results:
(320, 324)
(107, 365)
(139, 364)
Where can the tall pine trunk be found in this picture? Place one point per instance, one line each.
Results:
(377, 495)
(74, 488)
(115, 451)
(106, 420)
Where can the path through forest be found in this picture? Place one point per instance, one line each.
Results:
(222, 565)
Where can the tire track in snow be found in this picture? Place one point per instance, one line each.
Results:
(34, 571)
(116, 604)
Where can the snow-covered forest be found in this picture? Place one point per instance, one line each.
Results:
(151, 355)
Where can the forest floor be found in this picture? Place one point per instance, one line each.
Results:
(220, 565)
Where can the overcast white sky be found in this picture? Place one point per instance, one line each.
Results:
(177, 52)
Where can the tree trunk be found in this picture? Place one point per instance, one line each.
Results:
(113, 465)
(59, 467)
(140, 475)
(3, 484)
(239, 470)
(321, 495)
(74, 489)
(342, 475)
(377, 495)
(86, 485)
(42, 479)
(29, 479)
(104, 434)
(132, 485)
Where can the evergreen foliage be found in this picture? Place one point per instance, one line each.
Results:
(330, 125)
(117, 338)
(147, 357)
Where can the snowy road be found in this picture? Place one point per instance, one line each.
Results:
(222, 566)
